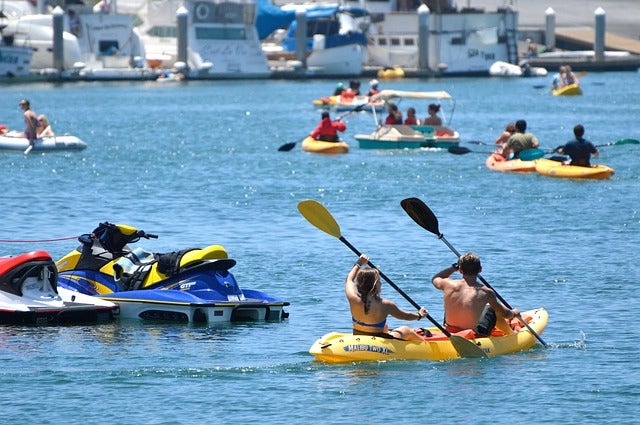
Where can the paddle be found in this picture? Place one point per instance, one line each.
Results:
(531, 154)
(321, 218)
(621, 142)
(27, 150)
(288, 146)
(461, 150)
(425, 218)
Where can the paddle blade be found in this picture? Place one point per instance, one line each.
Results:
(627, 142)
(421, 214)
(466, 348)
(287, 147)
(530, 154)
(459, 150)
(317, 214)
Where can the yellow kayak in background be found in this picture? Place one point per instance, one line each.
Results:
(318, 146)
(569, 90)
(550, 168)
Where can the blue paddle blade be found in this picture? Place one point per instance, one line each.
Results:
(530, 154)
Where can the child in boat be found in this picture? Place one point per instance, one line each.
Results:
(327, 130)
(468, 304)
(369, 311)
(411, 117)
(44, 128)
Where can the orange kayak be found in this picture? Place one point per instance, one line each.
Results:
(497, 162)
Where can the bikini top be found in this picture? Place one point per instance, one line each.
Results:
(380, 325)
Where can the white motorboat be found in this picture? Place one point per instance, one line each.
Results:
(14, 61)
(35, 31)
(221, 40)
(96, 45)
(460, 41)
(335, 38)
(29, 294)
(111, 47)
(15, 141)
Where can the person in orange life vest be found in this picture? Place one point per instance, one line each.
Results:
(327, 130)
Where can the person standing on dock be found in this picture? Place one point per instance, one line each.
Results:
(30, 121)
(580, 149)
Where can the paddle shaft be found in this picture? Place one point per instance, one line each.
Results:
(400, 291)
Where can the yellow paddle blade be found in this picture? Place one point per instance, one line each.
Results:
(317, 214)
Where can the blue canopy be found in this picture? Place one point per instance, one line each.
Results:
(271, 17)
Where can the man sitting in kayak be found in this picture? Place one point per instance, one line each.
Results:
(369, 311)
(580, 149)
(519, 141)
(468, 304)
(327, 130)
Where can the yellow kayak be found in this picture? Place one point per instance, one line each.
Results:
(337, 347)
(550, 168)
(568, 90)
(318, 146)
(497, 162)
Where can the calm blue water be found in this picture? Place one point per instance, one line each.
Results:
(197, 163)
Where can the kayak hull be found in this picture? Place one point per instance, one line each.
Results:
(569, 90)
(550, 168)
(497, 162)
(337, 347)
(317, 146)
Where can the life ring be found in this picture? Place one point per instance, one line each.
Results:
(202, 11)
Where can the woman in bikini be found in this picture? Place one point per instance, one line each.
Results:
(369, 312)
